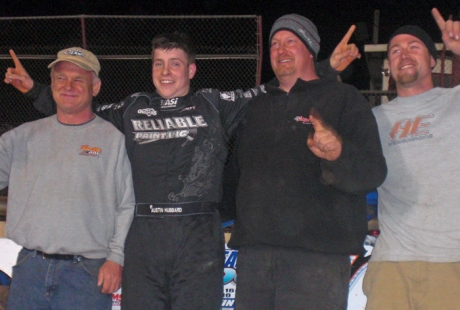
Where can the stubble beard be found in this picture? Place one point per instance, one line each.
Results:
(405, 79)
(284, 71)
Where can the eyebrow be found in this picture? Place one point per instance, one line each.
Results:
(171, 59)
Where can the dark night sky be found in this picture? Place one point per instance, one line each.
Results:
(332, 17)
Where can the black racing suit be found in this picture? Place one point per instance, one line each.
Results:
(177, 148)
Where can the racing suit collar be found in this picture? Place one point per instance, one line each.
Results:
(170, 103)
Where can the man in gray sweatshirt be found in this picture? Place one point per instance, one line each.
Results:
(416, 261)
(71, 198)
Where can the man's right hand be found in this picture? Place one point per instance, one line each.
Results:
(450, 31)
(18, 76)
(323, 141)
(344, 53)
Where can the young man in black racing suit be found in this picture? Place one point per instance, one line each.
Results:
(176, 141)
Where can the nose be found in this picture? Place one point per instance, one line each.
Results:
(404, 53)
(282, 48)
(165, 70)
(68, 84)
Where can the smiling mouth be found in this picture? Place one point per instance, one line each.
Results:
(284, 60)
(406, 66)
(166, 81)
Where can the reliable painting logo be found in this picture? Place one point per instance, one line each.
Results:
(408, 130)
(90, 151)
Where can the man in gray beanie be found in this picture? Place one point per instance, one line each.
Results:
(415, 263)
(307, 153)
(301, 27)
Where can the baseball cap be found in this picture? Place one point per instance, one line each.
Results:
(79, 56)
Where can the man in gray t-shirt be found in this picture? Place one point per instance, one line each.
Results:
(416, 261)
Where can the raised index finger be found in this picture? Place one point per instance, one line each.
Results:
(316, 120)
(17, 62)
(348, 35)
(438, 18)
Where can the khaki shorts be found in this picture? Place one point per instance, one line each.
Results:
(412, 285)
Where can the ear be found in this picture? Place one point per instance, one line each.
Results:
(96, 87)
(191, 70)
(433, 62)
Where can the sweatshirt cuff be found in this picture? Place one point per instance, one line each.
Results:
(116, 258)
(35, 91)
(324, 69)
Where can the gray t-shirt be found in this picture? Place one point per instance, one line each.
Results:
(419, 202)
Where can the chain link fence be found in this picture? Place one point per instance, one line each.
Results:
(229, 55)
(229, 52)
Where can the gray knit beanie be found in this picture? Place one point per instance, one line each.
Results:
(301, 27)
(419, 33)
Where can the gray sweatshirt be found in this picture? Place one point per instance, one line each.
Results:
(70, 188)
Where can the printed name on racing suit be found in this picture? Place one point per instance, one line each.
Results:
(150, 130)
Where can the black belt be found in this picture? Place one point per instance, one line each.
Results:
(58, 256)
(174, 209)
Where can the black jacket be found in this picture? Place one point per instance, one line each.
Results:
(286, 195)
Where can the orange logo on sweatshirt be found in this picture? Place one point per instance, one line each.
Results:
(90, 151)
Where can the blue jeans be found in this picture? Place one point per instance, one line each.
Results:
(40, 283)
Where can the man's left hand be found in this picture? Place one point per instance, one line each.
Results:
(344, 53)
(325, 143)
(109, 277)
